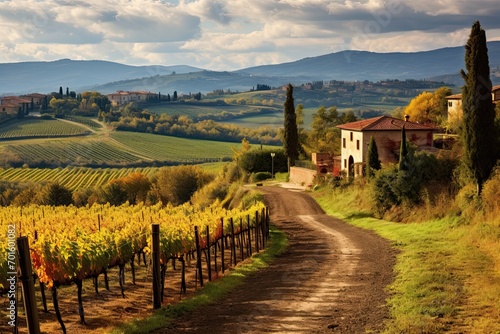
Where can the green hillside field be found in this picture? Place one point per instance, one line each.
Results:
(40, 127)
(106, 148)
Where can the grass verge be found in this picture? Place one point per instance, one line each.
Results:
(212, 291)
(444, 280)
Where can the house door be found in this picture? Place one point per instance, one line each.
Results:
(350, 167)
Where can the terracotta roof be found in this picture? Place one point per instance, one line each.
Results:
(383, 123)
(33, 95)
(459, 96)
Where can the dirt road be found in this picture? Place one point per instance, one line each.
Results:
(331, 279)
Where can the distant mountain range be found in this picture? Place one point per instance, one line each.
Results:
(45, 77)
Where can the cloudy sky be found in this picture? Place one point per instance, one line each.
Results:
(232, 34)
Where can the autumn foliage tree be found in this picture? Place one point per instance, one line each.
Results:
(429, 107)
(324, 135)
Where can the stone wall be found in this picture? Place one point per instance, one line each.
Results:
(302, 176)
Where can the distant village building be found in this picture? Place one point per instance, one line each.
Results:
(36, 98)
(121, 97)
(455, 104)
(386, 131)
(13, 106)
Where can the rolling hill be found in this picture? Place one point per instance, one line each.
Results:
(363, 65)
(44, 77)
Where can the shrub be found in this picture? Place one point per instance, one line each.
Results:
(215, 190)
(176, 185)
(467, 201)
(260, 176)
(491, 191)
(260, 161)
(56, 194)
(393, 187)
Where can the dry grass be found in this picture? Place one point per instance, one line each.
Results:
(448, 268)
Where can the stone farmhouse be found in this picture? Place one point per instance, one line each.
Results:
(121, 97)
(386, 131)
(355, 137)
(10, 106)
(455, 103)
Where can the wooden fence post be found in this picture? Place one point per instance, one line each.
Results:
(249, 232)
(198, 254)
(222, 245)
(263, 227)
(268, 220)
(156, 266)
(233, 244)
(257, 231)
(28, 285)
(209, 266)
(241, 238)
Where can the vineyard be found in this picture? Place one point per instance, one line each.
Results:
(158, 147)
(72, 177)
(71, 151)
(120, 149)
(69, 245)
(91, 123)
(37, 127)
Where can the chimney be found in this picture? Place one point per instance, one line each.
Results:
(407, 117)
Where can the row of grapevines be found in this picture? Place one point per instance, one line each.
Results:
(36, 127)
(71, 177)
(69, 243)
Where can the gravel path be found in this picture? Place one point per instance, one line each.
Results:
(331, 279)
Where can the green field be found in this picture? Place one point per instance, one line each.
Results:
(114, 149)
(38, 127)
(87, 121)
(166, 148)
(71, 177)
(84, 151)
(255, 121)
(158, 147)
(198, 109)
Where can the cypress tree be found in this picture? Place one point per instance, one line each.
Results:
(403, 151)
(372, 159)
(478, 133)
(290, 135)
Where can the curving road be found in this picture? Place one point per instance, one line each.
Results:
(331, 279)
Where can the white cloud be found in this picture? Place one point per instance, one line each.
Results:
(232, 34)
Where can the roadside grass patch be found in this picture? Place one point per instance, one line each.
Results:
(447, 275)
(212, 291)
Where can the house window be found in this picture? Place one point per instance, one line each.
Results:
(357, 144)
(450, 104)
(351, 136)
(345, 163)
(343, 143)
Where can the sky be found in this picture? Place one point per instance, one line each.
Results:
(225, 35)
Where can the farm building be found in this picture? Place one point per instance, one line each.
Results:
(121, 97)
(386, 131)
(455, 103)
